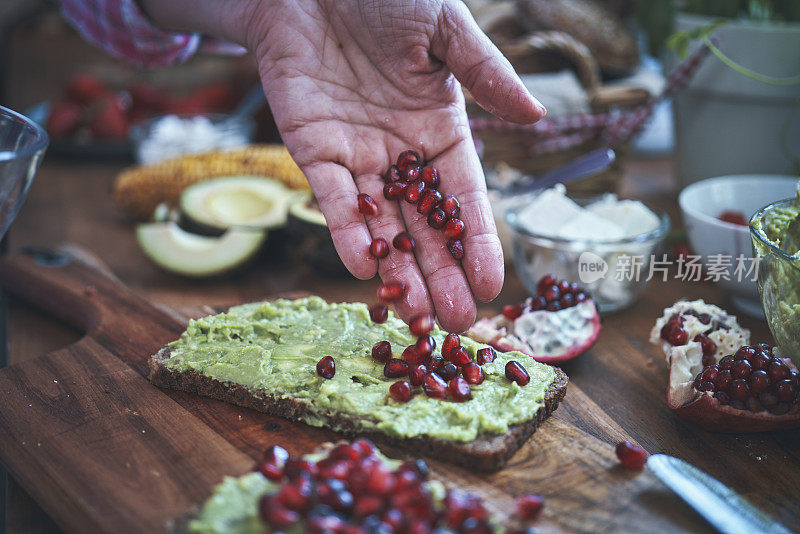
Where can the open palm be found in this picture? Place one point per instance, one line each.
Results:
(354, 83)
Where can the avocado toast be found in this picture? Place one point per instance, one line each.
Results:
(264, 355)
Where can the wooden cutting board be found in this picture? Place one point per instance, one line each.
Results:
(102, 450)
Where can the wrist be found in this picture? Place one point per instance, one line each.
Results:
(223, 19)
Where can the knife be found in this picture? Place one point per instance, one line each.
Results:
(591, 163)
(725, 509)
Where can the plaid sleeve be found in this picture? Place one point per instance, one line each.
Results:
(122, 29)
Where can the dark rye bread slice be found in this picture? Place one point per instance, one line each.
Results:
(488, 452)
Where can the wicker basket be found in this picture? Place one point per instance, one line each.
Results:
(529, 150)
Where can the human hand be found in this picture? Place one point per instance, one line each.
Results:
(351, 84)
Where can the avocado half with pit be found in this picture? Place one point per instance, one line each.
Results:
(216, 205)
(187, 254)
(311, 238)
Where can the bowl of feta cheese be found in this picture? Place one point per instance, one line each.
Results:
(610, 245)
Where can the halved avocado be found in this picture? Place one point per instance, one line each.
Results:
(311, 238)
(236, 201)
(187, 254)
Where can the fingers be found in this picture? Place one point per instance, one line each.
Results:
(482, 68)
(337, 196)
(398, 266)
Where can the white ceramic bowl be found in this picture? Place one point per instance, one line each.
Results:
(702, 203)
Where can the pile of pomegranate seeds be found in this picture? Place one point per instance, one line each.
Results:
(752, 379)
(631, 456)
(675, 334)
(411, 179)
(352, 490)
(552, 295)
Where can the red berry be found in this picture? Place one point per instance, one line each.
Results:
(276, 455)
(741, 369)
(451, 207)
(425, 346)
(485, 355)
(434, 386)
(395, 190)
(447, 371)
(428, 201)
(390, 291)
(270, 470)
(379, 247)
(760, 361)
(326, 367)
(378, 313)
(744, 353)
(416, 374)
(739, 389)
(395, 368)
(777, 370)
(785, 390)
(367, 206)
(472, 373)
(567, 301)
(430, 176)
(406, 158)
(392, 175)
(454, 228)
(545, 282)
(436, 219)
(723, 380)
(517, 373)
(275, 515)
(421, 324)
(511, 311)
(403, 241)
(529, 506)
(678, 336)
(414, 191)
(726, 362)
(450, 342)
(382, 351)
(631, 456)
(538, 303)
(456, 248)
(411, 173)
(411, 355)
(459, 389)
(459, 356)
(401, 391)
(758, 381)
(298, 468)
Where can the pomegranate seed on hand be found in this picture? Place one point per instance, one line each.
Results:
(485, 355)
(451, 207)
(434, 386)
(378, 313)
(511, 311)
(456, 248)
(367, 206)
(473, 373)
(406, 158)
(379, 248)
(450, 342)
(392, 175)
(411, 173)
(436, 219)
(517, 373)
(430, 176)
(428, 201)
(459, 356)
(391, 291)
(395, 190)
(403, 241)
(529, 506)
(416, 374)
(459, 389)
(631, 456)
(401, 391)
(326, 367)
(382, 351)
(395, 368)
(414, 191)
(454, 228)
(421, 324)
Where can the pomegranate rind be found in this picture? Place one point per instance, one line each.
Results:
(575, 329)
(707, 412)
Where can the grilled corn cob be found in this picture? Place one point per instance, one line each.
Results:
(138, 190)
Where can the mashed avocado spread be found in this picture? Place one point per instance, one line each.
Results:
(274, 347)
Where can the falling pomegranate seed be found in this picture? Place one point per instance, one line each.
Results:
(391, 291)
(456, 248)
(425, 346)
(450, 342)
(428, 201)
(378, 313)
(434, 386)
(678, 336)
(416, 374)
(511, 311)
(395, 190)
(411, 355)
(367, 206)
(454, 228)
(406, 158)
(379, 247)
(401, 391)
(414, 191)
(430, 176)
(459, 356)
(472, 373)
(437, 218)
(326, 367)
(421, 324)
(459, 389)
(451, 207)
(411, 173)
(395, 368)
(517, 373)
(485, 355)
(382, 351)
(631, 456)
(403, 241)
(529, 506)
(447, 371)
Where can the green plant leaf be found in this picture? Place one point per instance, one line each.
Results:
(741, 69)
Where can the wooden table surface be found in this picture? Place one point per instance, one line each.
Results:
(69, 202)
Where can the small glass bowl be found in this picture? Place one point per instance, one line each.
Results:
(607, 268)
(778, 283)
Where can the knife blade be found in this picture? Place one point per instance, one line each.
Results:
(725, 509)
